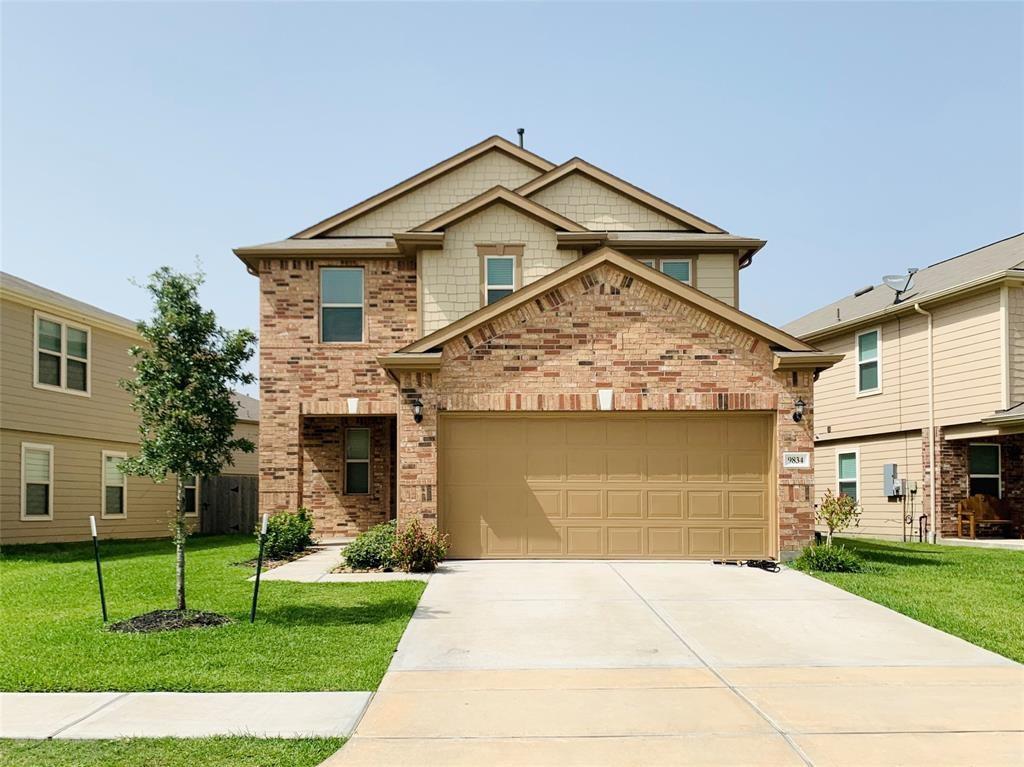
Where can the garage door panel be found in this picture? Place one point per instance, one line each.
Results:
(625, 542)
(625, 466)
(584, 541)
(642, 485)
(625, 504)
(584, 504)
(585, 465)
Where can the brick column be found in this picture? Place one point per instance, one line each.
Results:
(417, 450)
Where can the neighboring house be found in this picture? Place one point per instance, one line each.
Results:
(947, 354)
(65, 423)
(542, 359)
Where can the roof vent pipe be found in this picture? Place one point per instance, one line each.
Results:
(521, 132)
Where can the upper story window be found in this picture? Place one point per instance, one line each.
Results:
(984, 470)
(61, 355)
(341, 305)
(848, 474)
(36, 481)
(869, 362)
(677, 268)
(500, 277)
(115, 486)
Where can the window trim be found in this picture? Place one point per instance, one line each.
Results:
(104, 455)
(346, 461)
(321, 305)
(858, 362)
(513, 250)
(65, 324)
(488, 286)
(999, 466)
(689, 268)
(26, 446)
(855, 452)
(196, 480)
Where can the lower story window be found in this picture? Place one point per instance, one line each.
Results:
(983, 467)
(846, 471)
(191, 490)
(36, 481)
(115, 486)
(357, 461)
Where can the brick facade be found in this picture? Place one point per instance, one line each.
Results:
(602, 329)
(303, 379)
(954, 478)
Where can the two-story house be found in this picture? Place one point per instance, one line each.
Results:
(65, 424)
(543, 359)
(931, 376)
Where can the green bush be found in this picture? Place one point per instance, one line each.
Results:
(372, 550)
(829, 559)
(418, 549)
(288, 533)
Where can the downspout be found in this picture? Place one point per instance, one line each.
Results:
(932, 530)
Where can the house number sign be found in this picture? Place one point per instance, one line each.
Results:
(796, 460)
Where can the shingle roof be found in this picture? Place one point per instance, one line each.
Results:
(248, 407)
(33, 291)
(989, 260)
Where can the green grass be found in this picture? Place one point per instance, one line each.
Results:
(329, 636)
(168, 752)
(976, 594)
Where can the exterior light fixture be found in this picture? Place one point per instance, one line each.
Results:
(417, 410)
(798, 413)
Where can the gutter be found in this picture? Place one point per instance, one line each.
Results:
(936, 472)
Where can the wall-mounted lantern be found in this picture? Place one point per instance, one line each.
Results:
(417, 410)
(798, 412)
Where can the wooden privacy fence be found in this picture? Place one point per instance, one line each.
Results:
(229, 504)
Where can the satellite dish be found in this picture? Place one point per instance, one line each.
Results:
(899, 282)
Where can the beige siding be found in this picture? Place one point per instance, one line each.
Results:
(77, 492)
(880, 517)
(968, 375)
(442, 194)
(451, 277)
(1015, 343)
(716, 276)
(598, 207)
(245, 463)
(106, 414)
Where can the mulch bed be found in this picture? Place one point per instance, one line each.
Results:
(169, 620)
(270, 564)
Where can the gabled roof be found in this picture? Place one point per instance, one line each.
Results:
(967, 271)
(494, 143)
(604, 255)
(493, 196)
(577, 165)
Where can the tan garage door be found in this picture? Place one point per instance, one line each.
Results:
(609, 485)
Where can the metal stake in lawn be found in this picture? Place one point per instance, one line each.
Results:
(259, 567)
(99, 571)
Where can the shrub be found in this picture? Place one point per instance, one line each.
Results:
(837, 512)
(288, 533)
(373, 549)
(418, 549)
(829, 559)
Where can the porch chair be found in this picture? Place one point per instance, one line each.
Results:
(980, 512)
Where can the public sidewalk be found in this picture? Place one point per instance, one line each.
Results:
(94, 715)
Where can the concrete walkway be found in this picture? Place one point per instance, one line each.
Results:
(80, 715)
(625, 663)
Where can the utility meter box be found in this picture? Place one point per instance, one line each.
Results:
(891, 485)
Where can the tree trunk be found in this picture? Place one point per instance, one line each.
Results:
(828, 537)
(180, 533)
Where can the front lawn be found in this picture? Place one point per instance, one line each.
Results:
(976, 594)
(307, 636)
(168, 752)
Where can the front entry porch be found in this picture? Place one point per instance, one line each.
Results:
(982, 490)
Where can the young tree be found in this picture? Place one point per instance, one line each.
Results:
(837, 512)
(182, 393)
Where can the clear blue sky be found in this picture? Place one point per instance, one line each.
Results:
(857, 139)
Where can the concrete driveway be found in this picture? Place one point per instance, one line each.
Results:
(628, 663)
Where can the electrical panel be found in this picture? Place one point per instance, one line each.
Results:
(892, 485)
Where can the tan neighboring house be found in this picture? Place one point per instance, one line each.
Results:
(65, 423)
(933, 376)
(542, 359)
